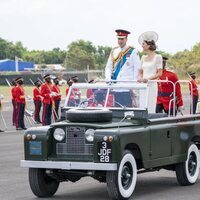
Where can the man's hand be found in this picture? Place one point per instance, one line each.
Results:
(52, 94)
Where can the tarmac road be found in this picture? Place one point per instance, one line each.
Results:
(14, 184)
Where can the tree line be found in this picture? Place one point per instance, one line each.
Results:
(79, 54)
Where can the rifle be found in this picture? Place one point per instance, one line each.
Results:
(8, 82)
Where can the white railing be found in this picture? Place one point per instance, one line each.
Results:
(134, 85)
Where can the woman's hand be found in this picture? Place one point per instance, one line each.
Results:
(145, 80)
(140, 80)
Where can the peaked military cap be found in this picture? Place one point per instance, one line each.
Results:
(18, 79)
(164, 58)
(46, 76)
(74, 78)
(91, 81)
(192, 73)
(122, 33)
(36, 82)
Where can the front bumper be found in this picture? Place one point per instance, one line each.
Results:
(69, 165)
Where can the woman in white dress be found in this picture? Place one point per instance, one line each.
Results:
(151, 66)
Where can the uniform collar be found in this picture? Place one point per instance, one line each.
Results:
(124, 48)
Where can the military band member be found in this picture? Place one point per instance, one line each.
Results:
(122, 65)
(13, 93)
(20, 104)
(69, 83)
(46, 93)
(165, 92)
(195, 93)
(37, 98)
(57, 98)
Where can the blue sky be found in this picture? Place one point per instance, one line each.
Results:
(45, 24)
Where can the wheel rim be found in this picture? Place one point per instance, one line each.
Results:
(192, 164)
(47, 179)
(127, 175)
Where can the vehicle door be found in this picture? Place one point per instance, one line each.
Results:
(161, 137)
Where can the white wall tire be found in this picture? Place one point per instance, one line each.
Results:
(121, 184)
(187, 172)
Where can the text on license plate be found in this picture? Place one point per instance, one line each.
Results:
(104, 151)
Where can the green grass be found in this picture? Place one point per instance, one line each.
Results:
(6, 91)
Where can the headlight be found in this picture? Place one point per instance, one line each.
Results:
(59, 134)
(89, 135)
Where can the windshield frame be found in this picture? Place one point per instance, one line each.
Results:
(111, 86)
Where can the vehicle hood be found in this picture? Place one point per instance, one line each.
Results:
(102, 125)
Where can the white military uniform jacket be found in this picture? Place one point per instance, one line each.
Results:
(129, 71)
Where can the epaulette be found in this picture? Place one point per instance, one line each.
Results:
(114, 49)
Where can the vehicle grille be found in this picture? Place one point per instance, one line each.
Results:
(74, 143)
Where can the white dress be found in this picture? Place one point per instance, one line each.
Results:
(150, 69)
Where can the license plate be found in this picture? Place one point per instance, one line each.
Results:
(104, 152)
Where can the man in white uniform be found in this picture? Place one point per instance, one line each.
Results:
(124, 61)
(123, 64)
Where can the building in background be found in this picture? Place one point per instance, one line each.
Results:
(10, 65)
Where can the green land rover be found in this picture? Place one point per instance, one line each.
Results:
(107, 133)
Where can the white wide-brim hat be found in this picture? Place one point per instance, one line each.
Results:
(148, 36)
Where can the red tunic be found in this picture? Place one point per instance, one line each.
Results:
(36, 94)
(194, 87)
(165, 90)
(20, 94)
(90, 93)
(75, 94)
(56, 89)
(46, 90)
(67, 90)
(13, 92)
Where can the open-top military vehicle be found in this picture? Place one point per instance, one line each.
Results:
(107, 133)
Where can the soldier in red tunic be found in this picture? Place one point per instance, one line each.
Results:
(13, 93)
(20, 103)
(195, 93)
(75, 94)
(37, 98)
(57, 98)
(165, 92)
(69, 83)
(46, 93)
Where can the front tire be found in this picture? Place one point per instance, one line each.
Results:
(187, 172)
(121, 183)
(41, 184)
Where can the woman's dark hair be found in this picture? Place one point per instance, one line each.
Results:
(152, 45)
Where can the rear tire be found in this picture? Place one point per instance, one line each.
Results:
(41, 184)
(187, 172)
(121, 183)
